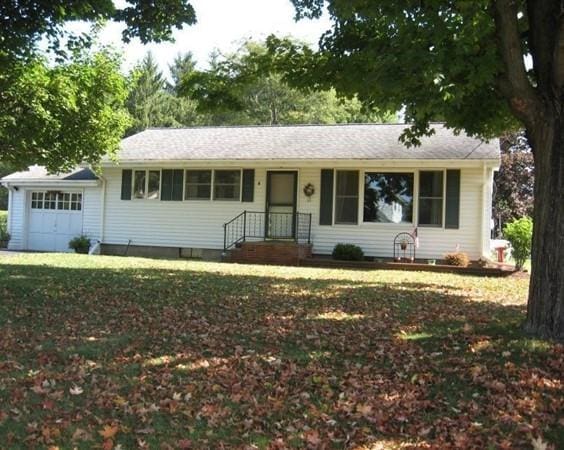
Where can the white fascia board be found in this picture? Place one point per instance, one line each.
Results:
(59, 184)
(355, 163)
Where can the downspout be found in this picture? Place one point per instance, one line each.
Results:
(103, 209)
(10, 203)
(484, 214)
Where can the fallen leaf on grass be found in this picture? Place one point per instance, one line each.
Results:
(109, 431)
(76, 390)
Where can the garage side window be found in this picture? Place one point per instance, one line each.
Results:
(37, 200)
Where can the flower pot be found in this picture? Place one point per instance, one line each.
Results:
(403, 245)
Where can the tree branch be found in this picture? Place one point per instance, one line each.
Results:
(521, 95)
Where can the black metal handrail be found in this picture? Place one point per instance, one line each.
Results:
(294, 226)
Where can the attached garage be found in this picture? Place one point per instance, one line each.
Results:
(55, 217)
(46, 211)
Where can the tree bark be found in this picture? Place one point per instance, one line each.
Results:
(545, 310)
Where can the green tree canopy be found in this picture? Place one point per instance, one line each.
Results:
(464, 62)
(153, 102)
(23, 23)
(60, 116)
(246, 88)
(63, 115)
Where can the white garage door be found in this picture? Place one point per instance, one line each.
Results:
(54, 219)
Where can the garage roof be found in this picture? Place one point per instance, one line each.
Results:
(40, 174)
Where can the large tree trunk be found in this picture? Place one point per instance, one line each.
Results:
(545, 311)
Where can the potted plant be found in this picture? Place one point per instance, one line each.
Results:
(4, 238)
(80, 244)
(403, 244)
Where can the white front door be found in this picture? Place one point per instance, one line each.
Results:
(54, 219)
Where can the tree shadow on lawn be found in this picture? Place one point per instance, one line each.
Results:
(274, 362)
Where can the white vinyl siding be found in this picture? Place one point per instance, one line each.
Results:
(91, 210)
(16, 219)
(376, 238)
(193, 224)
(200, 224)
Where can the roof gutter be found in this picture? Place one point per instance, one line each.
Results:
(30, 182)
(494, 162)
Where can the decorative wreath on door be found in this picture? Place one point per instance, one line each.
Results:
(309, 190)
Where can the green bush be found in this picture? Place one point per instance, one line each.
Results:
(4, 235)
(348, 252)
(80, 244)
(519, 233)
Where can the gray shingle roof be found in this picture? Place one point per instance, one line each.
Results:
(303, 142)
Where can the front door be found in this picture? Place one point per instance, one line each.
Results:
(281, 190)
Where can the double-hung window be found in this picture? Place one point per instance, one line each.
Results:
(227, 185)
(147, 184)
(198, 185)
(346, 197)
(388, 197)
(431, 196)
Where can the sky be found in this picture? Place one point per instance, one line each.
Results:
(222, 24)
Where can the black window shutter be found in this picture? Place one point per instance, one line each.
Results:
(172, 184)
(166, 189)
(248, 185)
(177, 184)
(452, 212)
(326, 198)
(126, 184)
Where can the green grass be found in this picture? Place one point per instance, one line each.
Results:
(167, 354)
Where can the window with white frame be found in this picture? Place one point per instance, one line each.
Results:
(198, 185)
(346, 197)
(227, 185)
(146, 184)
(431, 197)
(62, 201)
(37, 200)
(388, 197)
(50, 200)
(76, 201)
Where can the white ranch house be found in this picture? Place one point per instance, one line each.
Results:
(173, 190)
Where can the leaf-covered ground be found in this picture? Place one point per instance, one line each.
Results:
(102, 352)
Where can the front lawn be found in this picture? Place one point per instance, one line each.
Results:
(124, 353)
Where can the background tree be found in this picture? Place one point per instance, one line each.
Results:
(465, 62)
(23, 23)
(245, 88)
(148, 101)
(154, 102)
(61, 116)
(514, 182)
(5, 169)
